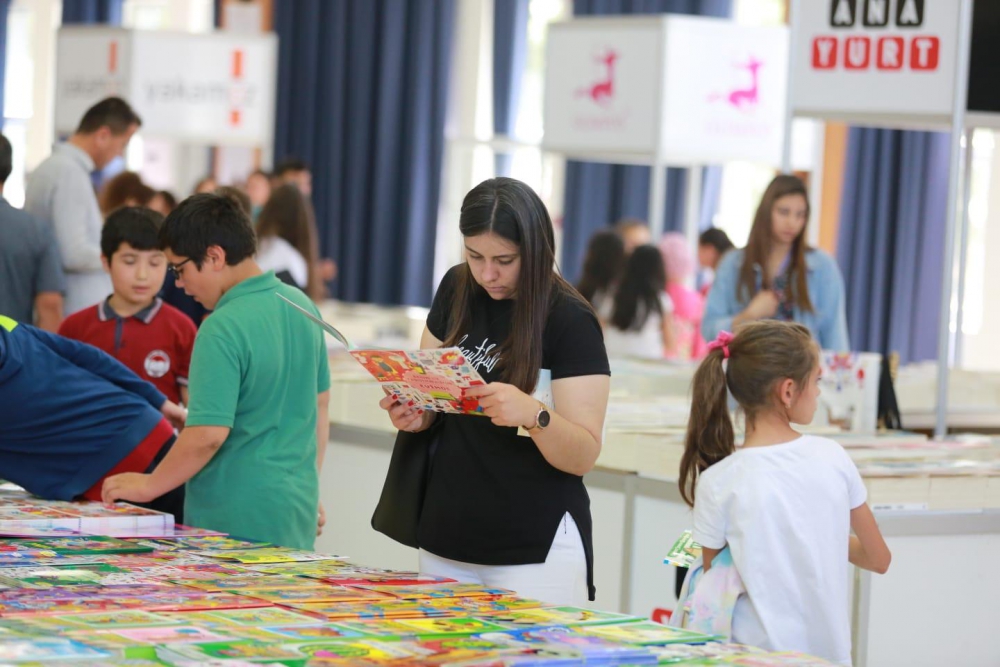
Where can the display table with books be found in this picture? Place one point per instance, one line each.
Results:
(936, 502)
(181, 596)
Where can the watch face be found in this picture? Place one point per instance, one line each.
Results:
(543, 418)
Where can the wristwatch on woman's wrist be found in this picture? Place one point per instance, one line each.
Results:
(542, 419)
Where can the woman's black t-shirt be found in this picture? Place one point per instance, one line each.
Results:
(492, 498)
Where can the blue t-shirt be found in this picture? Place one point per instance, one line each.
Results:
(68, 412)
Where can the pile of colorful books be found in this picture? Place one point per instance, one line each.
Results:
(211, 599)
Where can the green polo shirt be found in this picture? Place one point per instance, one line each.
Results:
(256, 368)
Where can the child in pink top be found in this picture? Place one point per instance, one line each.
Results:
(689, 305)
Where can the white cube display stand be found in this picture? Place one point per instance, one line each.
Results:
(214, 88)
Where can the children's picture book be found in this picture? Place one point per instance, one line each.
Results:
(459, 626)
(685, 551)
(327, 594)
(432, 380)
(45, 649)
(240, 582)
(94, 544)
(594, 649)
(217, 543)
(263, 616)
(283, 634)
(646, 632)
(267, 555)
(172, 634)
(374, 577)
(128, 618)
(437, 591)
(557, 616)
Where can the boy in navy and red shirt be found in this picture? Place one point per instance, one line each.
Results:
(71, 416)
(134, 325)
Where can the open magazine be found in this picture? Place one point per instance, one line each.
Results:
(433, 380)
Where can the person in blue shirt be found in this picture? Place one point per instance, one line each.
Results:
(778, 276)
(71, 415)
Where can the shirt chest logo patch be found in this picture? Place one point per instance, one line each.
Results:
(157, 364)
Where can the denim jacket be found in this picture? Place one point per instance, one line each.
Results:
(828, 323)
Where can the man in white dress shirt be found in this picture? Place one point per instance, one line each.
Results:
(60, 190)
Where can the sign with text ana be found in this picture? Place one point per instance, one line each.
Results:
(875, 60)
(202, 88)
(676, 89)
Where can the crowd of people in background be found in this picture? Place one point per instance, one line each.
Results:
(56, 268)
(654, 304)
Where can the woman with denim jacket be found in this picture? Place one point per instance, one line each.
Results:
(778, 276)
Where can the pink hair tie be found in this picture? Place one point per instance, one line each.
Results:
(722, 342)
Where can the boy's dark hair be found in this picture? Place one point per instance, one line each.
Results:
(135, 225)
(204, 220)
(716, 238)
(113, 112)
(6, 159)
(290, 164)
(241, 198)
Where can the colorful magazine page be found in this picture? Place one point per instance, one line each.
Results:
(557, 616)
(267, 555)
(433, 380)
(646, 632)
(438, 591)
(685, 552)
(95, 544)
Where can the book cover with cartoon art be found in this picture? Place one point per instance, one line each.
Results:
(432, 380)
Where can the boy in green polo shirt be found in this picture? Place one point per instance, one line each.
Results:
(257, 425)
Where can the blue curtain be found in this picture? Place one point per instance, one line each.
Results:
(599, 194)
(510, 50)
(92, 11)
(892, 225)
(4, 10)
(362, 92)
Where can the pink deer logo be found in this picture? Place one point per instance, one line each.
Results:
(743, 98)
(602, 91)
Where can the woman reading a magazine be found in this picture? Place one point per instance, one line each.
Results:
(505, 503)
(784, 503)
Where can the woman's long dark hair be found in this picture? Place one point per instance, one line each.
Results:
(758, 250)
(511, 210)
(287, 214)
(603, 265)
(638, 295)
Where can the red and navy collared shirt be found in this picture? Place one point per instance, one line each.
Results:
(155, 343)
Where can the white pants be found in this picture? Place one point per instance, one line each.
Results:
(560, 580)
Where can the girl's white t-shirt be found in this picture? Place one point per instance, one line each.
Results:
(276, 254)
(784, 510)
(646, 342)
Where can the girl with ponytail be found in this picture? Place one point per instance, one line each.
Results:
(784, 503)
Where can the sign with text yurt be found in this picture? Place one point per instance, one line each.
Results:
(875, 60)
(204, 88)
(666, 88)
